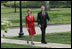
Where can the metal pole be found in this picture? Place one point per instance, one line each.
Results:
(21, 31)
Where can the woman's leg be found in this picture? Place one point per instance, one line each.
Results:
(32, 40)
(28, 39)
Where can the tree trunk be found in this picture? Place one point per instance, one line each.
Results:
(47, 6)
(15, 5)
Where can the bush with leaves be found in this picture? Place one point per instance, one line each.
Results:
(5, 25)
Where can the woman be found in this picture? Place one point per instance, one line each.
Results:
(30, 25)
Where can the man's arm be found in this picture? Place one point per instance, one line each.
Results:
(48, 18)
(38, 19)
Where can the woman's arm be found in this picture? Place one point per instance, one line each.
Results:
(26, 22)
(34, 19)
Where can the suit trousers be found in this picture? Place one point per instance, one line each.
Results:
(43, 28)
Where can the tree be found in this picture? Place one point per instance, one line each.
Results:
(47, 5)
(15, 5)
(3, 1)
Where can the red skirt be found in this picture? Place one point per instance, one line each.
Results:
(31, 31)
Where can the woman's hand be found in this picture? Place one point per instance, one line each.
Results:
(27, 28)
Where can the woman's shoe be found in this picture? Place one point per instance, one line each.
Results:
(32, 43)
(27, 42)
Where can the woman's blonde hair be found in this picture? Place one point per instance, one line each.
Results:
(29, 10)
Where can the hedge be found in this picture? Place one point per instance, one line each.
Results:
(37, 4)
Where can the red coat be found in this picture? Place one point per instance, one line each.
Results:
(30, 24)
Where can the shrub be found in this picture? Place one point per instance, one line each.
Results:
(5, 25)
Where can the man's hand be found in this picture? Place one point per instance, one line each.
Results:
(48, 22)
(39, 25)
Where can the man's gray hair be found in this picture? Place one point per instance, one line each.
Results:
(42, 6)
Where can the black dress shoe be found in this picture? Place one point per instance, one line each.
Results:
(44, 42)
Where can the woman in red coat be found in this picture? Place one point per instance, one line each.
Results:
(29, 20)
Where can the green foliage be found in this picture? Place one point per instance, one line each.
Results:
(60, 4)
(37, 4)
(5, 25)
(32, 4)
(3, 1)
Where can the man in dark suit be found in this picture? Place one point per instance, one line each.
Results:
(42, 22)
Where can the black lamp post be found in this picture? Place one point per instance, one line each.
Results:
(15, 5)
(21, 31)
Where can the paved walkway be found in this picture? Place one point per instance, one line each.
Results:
(49, 45)
(50, 29)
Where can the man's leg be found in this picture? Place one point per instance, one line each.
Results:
(43, 35)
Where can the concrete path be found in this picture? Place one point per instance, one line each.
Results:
(50, 29)
(49, 45)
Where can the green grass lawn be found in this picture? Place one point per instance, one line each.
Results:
(62, 37)
(9, 45)
(57, 15)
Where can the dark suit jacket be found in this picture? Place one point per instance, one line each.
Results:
(41, 20)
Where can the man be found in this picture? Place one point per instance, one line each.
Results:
(42, 22)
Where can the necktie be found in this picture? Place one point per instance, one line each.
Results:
(43, 14)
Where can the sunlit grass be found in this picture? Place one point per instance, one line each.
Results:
(9, 45)
(57, 15)
(62, 37)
